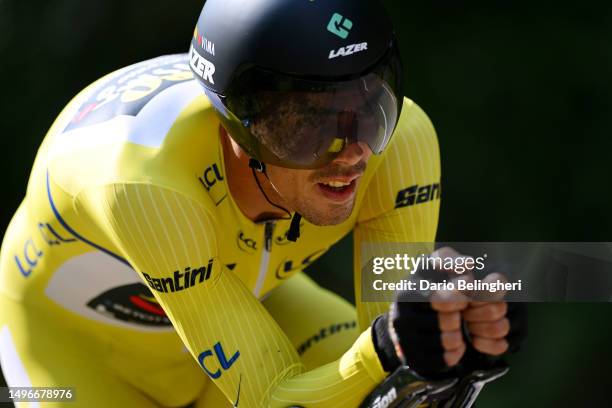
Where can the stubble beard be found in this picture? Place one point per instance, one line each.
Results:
(324, 216)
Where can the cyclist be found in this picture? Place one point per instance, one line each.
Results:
(157, 257)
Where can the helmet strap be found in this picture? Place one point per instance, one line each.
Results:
(294, 230)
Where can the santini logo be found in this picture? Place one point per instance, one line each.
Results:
(201, 66)
(180, 280)
(348, 50)
(417, 194)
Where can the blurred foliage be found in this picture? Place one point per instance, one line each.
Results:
(519, 93)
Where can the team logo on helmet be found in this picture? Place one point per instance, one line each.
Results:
(206, 44)
(339, 25)
(201, 66)
(348, 50)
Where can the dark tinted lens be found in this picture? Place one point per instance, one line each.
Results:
(293, 125)
(305, 124)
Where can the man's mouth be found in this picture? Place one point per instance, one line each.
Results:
(338, 190)
(336, 184)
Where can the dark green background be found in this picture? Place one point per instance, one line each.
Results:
(520, 96)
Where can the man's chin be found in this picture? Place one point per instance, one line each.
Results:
(330, 216)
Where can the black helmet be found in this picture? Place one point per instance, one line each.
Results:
(294, 81)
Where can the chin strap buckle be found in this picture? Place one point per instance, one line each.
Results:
(294, 230)
(257, 165)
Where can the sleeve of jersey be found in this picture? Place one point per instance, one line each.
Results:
(169, 240)
(403, 197)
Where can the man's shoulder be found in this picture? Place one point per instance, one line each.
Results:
(131, 91)
(414, 136)
(149, 122)
(414, 119)
(407, 173)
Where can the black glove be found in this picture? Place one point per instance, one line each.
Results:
(418, 333)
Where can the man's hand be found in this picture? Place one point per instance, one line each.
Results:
(488, 326)
(426, 336)
(495, 327)
(424, 332)
(451, 336)
(487, 321)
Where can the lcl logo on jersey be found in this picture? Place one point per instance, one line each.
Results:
(201, 66)
(288, 267)
(221, 358)
(210, 176)
(245, 243)
(31, 254)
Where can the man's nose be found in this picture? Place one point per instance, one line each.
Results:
(353, 153)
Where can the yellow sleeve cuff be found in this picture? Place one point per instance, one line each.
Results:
(368, 356)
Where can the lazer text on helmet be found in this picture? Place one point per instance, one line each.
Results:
(348, 50)
(201, 66)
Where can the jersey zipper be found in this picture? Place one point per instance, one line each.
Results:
(265, 257)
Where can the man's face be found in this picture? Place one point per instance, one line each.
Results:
(324, 196)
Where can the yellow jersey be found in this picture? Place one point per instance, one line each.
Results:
(128, 228)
